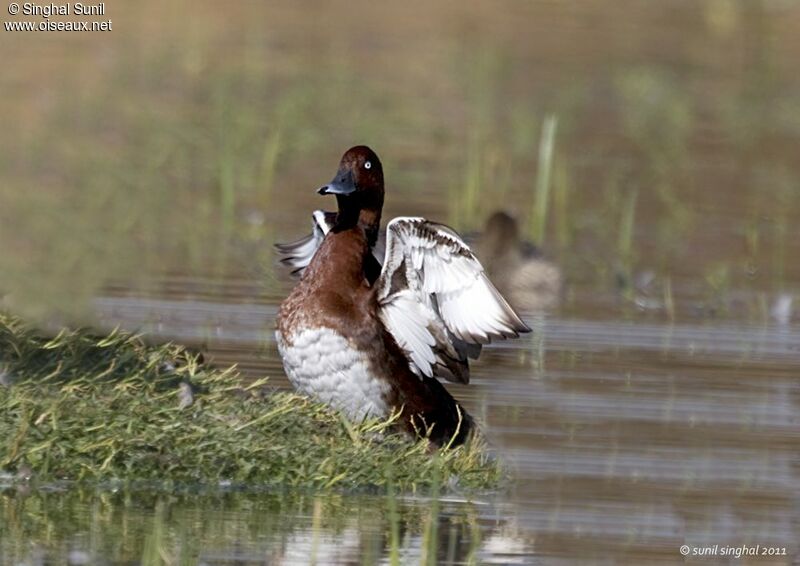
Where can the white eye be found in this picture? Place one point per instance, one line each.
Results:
(368, 165)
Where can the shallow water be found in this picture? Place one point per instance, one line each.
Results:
(657, 407)
(624, 439)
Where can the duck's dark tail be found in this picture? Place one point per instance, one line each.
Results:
(445, 423)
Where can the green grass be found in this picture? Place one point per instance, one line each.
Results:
(625, 239)
(543, 173)
(96, 409)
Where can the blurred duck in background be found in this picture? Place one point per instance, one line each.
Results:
(516, 267)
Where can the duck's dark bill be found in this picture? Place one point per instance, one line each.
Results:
(342, 184)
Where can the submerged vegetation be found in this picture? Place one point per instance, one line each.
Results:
(80, 407)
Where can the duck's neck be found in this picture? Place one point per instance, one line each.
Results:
(368, 219)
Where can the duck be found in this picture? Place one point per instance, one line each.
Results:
(529, 281)
(378, 317)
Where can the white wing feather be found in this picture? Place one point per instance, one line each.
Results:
(435, 298)
(298, 254)
(411, 320)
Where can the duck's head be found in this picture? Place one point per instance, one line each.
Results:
(358, 184)
(501, 229)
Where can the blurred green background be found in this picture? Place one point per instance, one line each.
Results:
(189, 138)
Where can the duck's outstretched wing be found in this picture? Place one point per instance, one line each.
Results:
(436, 300)
(297, 255)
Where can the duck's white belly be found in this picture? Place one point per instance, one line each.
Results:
(322, 364)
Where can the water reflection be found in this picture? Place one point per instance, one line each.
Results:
(142, 526)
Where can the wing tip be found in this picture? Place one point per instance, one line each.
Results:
(521, 327)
